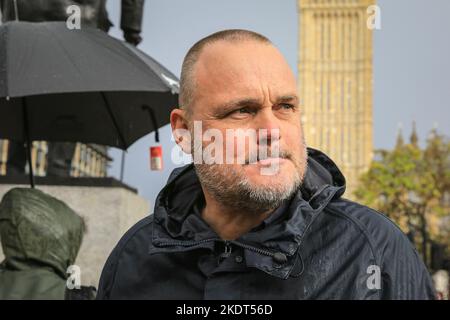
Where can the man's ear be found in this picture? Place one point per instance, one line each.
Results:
(180, 129)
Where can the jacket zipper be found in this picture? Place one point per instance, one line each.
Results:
(186, 243)
(227, 250)
(279, 257)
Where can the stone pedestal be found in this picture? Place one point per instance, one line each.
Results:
(109, 209)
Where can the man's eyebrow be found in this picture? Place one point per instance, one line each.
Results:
(223, 109)
(287, 98)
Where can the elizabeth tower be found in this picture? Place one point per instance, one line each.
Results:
(335, 79)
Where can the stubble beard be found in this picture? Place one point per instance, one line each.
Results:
(229, 185)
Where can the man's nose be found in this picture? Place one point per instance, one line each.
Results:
(267, 126)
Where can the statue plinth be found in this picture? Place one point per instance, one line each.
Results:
(109, 208)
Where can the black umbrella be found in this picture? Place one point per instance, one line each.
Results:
(84, 86)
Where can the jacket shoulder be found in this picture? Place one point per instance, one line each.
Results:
(135, 237)
(376, 226)
(404, 274)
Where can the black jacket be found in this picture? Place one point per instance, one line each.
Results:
(315, 246)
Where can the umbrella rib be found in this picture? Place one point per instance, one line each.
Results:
(114, 120)
(26, 130)
(153, 119)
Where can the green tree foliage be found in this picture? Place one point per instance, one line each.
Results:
(412, 186)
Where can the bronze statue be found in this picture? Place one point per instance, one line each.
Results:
(93, 13)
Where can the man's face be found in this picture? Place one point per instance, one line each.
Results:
(249, 86)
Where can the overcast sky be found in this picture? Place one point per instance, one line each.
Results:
(411, 63)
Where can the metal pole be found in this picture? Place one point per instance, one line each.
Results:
(16, 11)
(27, 139)
(153, 119)
(122, 138)
(122, 166)
(114, 120)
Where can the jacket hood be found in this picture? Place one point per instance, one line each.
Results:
(38, 231)
(176, 228)
(321, 173)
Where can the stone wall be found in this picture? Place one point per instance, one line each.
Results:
(108, 211)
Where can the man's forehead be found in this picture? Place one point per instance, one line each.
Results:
(240, 68)
(229, 57)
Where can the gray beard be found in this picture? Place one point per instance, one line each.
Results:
(234, 191)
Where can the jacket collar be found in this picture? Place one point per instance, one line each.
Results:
(177, 228)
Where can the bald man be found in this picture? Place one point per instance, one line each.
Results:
(257, 215)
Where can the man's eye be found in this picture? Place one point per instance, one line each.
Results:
(243, 110)
(239, 113)
(286, 106)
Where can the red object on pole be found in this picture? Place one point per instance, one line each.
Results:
(156, 161)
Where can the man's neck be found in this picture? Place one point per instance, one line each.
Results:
(230, 223)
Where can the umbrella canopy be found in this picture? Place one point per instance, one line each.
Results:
(58, 84)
